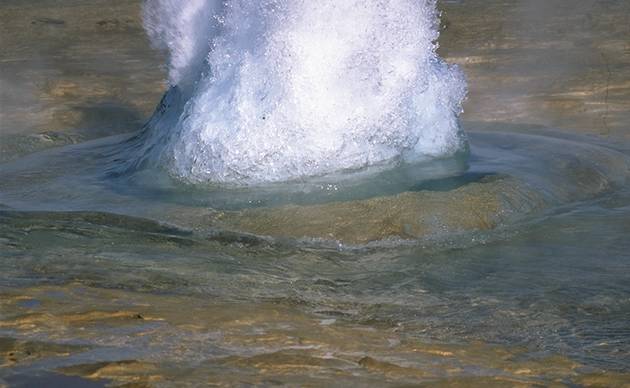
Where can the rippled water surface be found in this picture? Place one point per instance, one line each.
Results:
(506, 265)
(124, 285)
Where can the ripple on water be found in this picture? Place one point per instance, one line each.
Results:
(494, 272)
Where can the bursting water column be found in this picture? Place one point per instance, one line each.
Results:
(275, 90)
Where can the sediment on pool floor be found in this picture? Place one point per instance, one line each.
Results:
(253, 342)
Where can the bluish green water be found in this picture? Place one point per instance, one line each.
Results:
(550, 280)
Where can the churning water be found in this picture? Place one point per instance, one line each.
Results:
(276, 90)
(303, 208)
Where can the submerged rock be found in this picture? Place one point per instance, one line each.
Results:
(409, 215)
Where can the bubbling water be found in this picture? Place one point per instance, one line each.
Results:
(275, 90)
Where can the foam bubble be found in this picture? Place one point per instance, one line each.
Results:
(275, 90)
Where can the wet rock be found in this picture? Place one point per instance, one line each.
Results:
(409, 215)
(267, 342)
(130, 373)
(16, 352)
(389, 368)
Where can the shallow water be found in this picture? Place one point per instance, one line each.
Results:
(134, 285)
(505, 267)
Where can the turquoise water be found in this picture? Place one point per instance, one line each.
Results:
(551, 279)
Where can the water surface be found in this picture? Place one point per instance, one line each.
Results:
(506, 267)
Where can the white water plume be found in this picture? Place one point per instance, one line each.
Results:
(275, 90)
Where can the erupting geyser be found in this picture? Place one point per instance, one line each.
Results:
(273, 90)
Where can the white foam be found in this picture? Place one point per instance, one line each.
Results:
(279, 89)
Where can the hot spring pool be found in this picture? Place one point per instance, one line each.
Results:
(292, 251)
